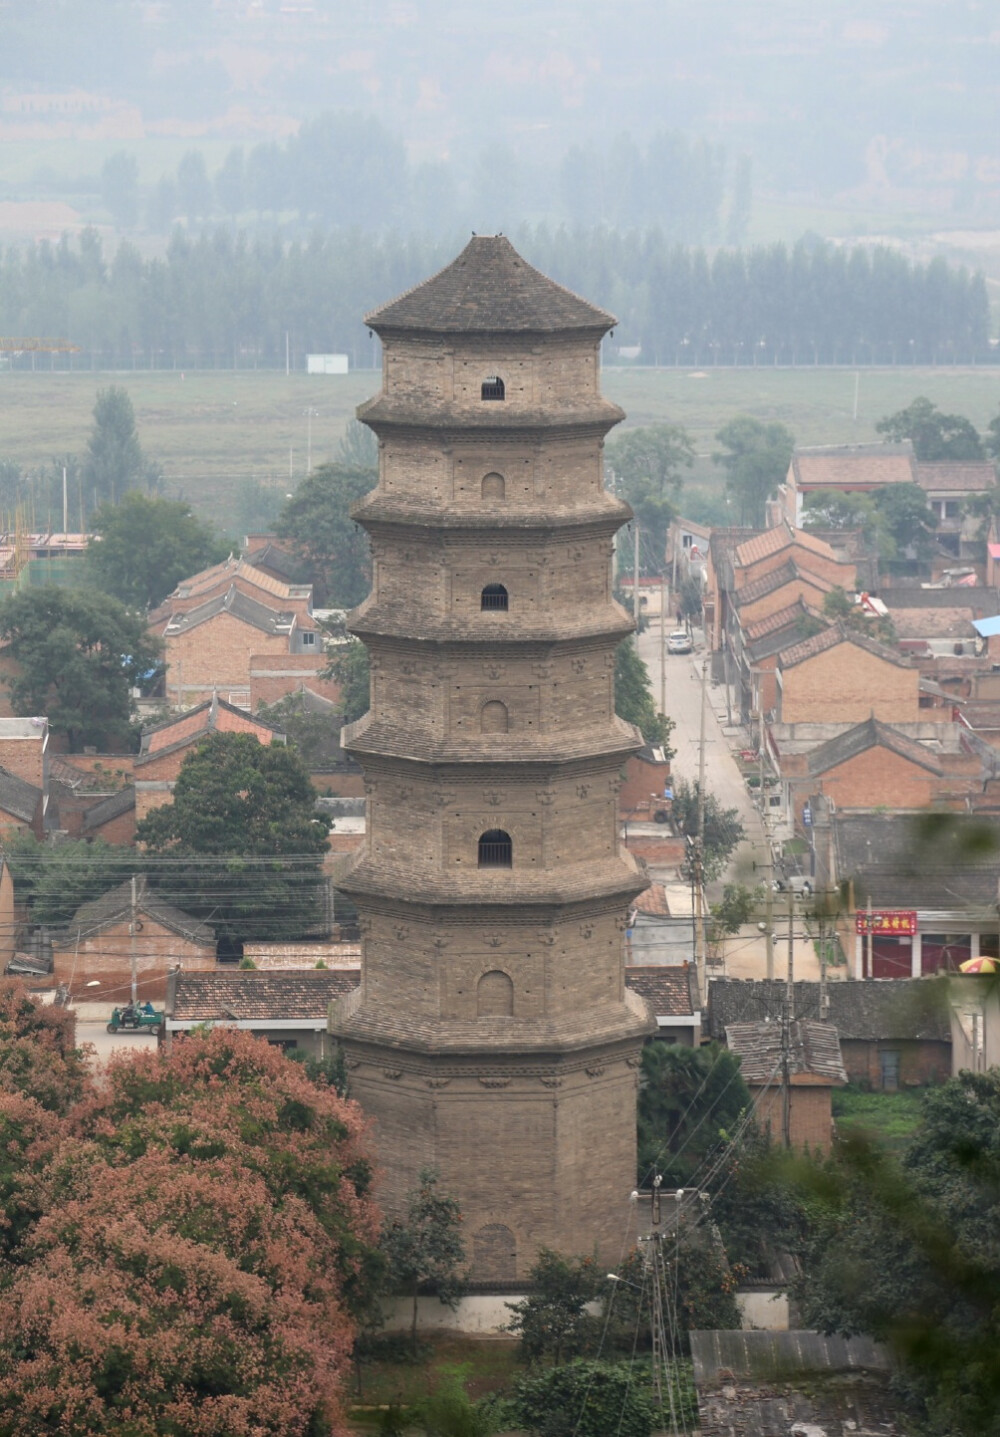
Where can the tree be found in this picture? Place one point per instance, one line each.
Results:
(648, 464)
(144, 546)
(934, 436)
(200, 1248)
(736, 907)
(907, 1252)
(120, 188)
(588, 1399)
(690, 1101)
(634, 700)
(77, 654)
(38, 1054)
(114, 462)
(349, 665)
(723, 829)
(427, 1251)
(991, 441)
(53, 880)
(241, 845)
(317, 520)
(314, 735)
(908, 520)
(554, 1322)
(755, 457)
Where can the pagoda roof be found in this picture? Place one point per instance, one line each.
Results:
(489, 289)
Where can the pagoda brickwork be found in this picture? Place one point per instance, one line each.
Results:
(492, 1036)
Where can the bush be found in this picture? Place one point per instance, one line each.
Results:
(585, 1399)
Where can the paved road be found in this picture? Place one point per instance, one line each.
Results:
(745, 952)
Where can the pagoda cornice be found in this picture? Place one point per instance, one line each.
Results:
(384, 414)
(600, 517)
(398, 621)
(372, 739)
(616, 882)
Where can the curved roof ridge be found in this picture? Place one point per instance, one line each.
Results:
(489, 288)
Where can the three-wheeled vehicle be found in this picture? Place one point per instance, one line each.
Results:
(136, 1017)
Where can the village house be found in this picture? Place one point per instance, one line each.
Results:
(110, 934)
(22, 806)
(844, 676)
(287, 1009)
(815, 1068)
(164, 748)
(826, 470)
(892, 1035)
(672, 993)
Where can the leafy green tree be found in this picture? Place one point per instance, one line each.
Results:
(690, 1101)
(241, 845)
(634, 699)
(350, 666)
(317, 519)
(755, 457)
(426, 1250)
(934, 436)
(839, 606)
(991, 440)
(907, 1252)
(908, 520)
(144, 546)
(316, 736)
(554, 1322)
(737, 906)
(114, 462)
(77, 654)
(53, 880)
(648, 464)
(587, 1399)
(723, 828)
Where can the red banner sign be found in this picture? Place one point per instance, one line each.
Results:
(900, 922)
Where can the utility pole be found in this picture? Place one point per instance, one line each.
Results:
(787, 1019)
(656, 1305)
(65, 503)
(635, 571)
(131, 936)
(663, 642)
(699, 846)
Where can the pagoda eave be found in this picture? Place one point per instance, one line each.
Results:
(453, 424)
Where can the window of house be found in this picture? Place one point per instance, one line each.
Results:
(495, 995)
(951, 509)
(494, 597)
(493, 717)
(308, 638)
(494, 486)
(495, 849)
(493, 387)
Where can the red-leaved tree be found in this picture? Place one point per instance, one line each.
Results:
(203, 1245)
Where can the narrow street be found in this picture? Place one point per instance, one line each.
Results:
(745, 953)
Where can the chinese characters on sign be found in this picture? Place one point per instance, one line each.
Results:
(899, 923)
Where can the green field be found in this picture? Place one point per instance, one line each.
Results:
(213, 430)
(890, 1119)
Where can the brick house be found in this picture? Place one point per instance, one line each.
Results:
(815, 1068)
(672, 993)
(211, 648)
(242, 575)
(286, 1009)
(273, 676)
(646, 787)
(24, 749)
(164, 748)
(112, 819)
(97, 944)
(892, 1035)
(947, 485)
(843, 676)
(843, 469)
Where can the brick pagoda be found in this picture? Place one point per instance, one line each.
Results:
(493, 1037)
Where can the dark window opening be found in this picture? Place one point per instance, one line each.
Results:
(493, 387)
(496, 849)
(494, 597)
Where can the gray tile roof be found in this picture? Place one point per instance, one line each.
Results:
(489, 288)
(265, 996)
(777, 579)
(672, 992)
(108, 808)
(749, 1353)
(839, 633)
(863, 1010)
(814, 1049)
(892, 862)
(241, 606)
(18, 798)
(115, 905)
(864, 736)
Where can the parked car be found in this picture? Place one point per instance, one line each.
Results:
(679, 642)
